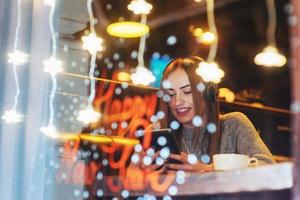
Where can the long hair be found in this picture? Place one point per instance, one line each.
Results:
(206, 107)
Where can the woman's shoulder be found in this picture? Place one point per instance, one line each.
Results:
(235, 118)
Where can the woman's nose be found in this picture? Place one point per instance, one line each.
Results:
(178, 99)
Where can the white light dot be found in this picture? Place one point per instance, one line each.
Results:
(147, 160)
(104, 162)
(139, 133)
(172, 190)
(161, 140)
(156, 55)
(197, 121)
(116, 56)
(124, 85)
(96, 155)
(166, 84)
(159, 161)
(295, 107)
(166, 98)
(135, 158)
(133, 54)
(114, 125)
(138, 148)
(192, 158)
(85, 194)
(160, 114)
(211, 128)
(171, 40)
(118, 91)
(165, 152)
(200, 87)
(205, 158)
(150, 152)
(76, 193)
(174, 125)
(160, 94)
(121, 65)
(167, 197)
(153, 118)
(124, 124)
(125, 194)
(108, 6)
(99, 193)
(99, 175)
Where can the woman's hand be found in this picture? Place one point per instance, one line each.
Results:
(186, 166)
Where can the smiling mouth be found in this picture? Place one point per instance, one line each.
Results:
(182, 111)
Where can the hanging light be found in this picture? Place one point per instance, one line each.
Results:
(140, 7)
(12, 116)
(88, 116)
(53, 66)
(18, 57)
(270, 57)
(142, 76)
(128, 29)
(206, 38)
(92, 43)
(210, 72)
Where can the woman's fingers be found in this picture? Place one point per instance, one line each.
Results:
(185, 167)
(182, 157)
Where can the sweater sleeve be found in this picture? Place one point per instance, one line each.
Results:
(248, 139)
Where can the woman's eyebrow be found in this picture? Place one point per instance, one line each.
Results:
(182, 87)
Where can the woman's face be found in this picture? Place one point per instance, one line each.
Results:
(181, 103)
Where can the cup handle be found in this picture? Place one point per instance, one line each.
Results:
(253, 162)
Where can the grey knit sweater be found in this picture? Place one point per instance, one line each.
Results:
(238, 135)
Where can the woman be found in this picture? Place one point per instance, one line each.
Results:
(202, 131)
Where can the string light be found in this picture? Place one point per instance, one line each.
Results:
(16, 58)
(270, 57)
(140, 7)
(52, 66)
(12, 116)
(89, 115)
(142, 76)
(92, 43)
(210, 71)
(207, 38)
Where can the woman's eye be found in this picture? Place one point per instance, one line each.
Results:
(187, 92)
(171, 94)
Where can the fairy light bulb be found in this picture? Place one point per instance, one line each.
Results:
(53, 66)
(142, 76)
(18, 57)
(88, 116)
(210, 72)
(50, 131)
(270, 57)
(197, 32)
(92, 43)
(49, 2)
(140, 7)
(207, 37)
(12, 116)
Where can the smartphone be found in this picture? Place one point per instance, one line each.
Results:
(161, 138)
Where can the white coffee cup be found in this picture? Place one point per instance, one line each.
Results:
(231, 161)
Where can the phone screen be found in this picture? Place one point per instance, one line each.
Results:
(162, 138)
